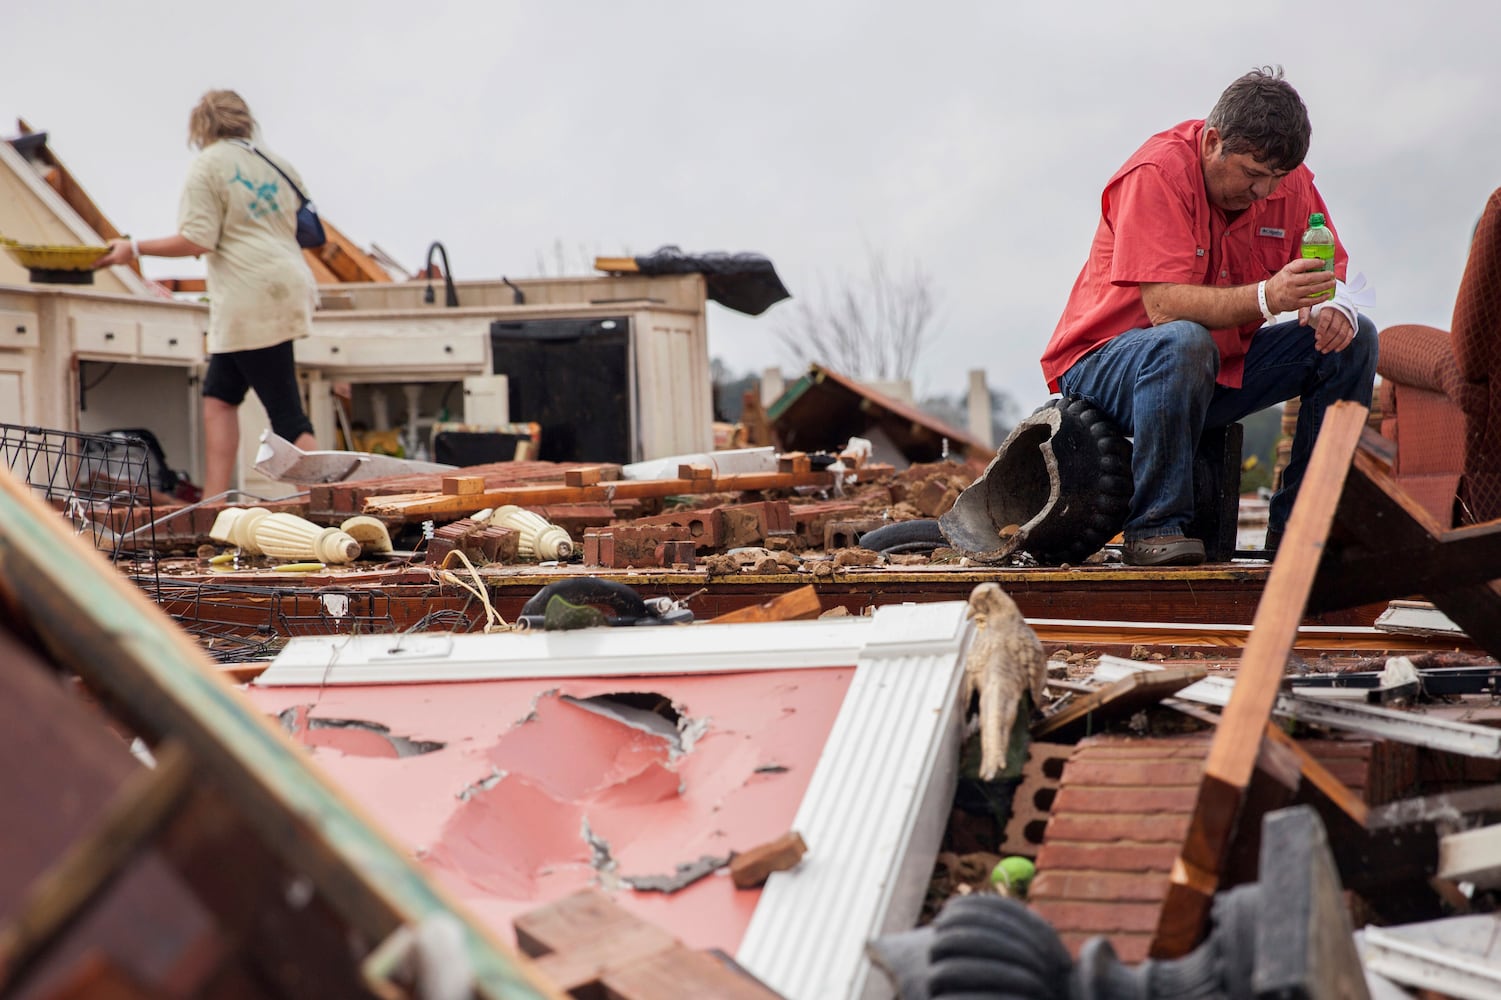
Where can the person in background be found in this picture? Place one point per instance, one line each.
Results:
(1172, 327)
(238, 212)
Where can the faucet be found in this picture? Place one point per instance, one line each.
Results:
(450, 297)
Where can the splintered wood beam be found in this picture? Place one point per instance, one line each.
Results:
(1320, 777)
(1237, 741)
(321, 273)
(1388, 546)
(1123, 698)
(415, 506)
(791, 606)
(159, 683)
(1385, 542)
(144, 804)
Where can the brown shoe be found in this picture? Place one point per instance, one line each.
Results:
(1163, 550)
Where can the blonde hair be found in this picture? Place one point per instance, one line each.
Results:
(219, 114)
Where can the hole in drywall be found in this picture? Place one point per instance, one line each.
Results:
(355, 737)
(649, 712)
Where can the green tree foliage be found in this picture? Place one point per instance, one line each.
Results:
(1258, 452)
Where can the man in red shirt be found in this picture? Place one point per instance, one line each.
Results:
(1172, 326)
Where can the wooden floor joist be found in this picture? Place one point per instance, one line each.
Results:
(422, 505)
(1237, 742)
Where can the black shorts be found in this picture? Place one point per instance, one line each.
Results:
(272, 373)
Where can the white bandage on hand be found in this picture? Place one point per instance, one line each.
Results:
(1349, 299)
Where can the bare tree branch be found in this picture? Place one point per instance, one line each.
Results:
(871, 327)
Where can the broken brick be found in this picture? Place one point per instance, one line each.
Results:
(845, 533)
(753, 867)
(753, 523)
(809, 519)
(705, 525)
(676, 553)
(497, 544)
(454, 535)
(576, 518)
(637, 545)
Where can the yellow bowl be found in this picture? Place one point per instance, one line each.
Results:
(40, 256)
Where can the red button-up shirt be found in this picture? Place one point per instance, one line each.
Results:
(1157, 225)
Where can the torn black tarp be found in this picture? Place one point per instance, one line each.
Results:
(744, 282)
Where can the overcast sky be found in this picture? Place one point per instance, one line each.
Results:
(969, 138)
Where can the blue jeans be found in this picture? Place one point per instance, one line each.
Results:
(1158, 385)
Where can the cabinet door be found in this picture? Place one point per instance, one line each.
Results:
(17, 403)
(18, 329)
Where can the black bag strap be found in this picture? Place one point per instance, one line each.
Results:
(244, 144)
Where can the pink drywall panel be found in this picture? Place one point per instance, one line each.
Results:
(532, 796)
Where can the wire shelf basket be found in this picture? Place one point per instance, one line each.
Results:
(100, 483)
(237, 623)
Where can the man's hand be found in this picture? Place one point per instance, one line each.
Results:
(1331, 329)
(1299, 285)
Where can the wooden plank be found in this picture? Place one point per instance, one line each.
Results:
(1118, 700)
(578, 920)
(421, 505)
(98, 977)
(91, 863)
(1321, 777)
(576, 939)
(1237, 740)
(463, 486)
(680, 973)
(794, 605)
(617, 265)
(585, 476)
(104, 628)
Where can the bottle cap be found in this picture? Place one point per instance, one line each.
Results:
(1315, 220)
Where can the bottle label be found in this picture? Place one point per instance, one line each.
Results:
(1325, 253)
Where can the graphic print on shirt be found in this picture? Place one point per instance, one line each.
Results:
(264, 202)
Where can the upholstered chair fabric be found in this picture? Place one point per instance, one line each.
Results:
(1441, 392)
(1477, 348)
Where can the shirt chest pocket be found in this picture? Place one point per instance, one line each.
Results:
(1270, 254)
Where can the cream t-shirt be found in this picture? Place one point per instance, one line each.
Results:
(260, 289)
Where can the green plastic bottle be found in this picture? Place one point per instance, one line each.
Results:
(1318, 243)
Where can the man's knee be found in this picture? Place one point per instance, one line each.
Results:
(1189, 351)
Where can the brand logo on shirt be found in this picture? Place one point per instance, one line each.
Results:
(1276, 234)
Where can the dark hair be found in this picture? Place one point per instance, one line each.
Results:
(1263, 115)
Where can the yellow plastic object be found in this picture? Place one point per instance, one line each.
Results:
(47, 257)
